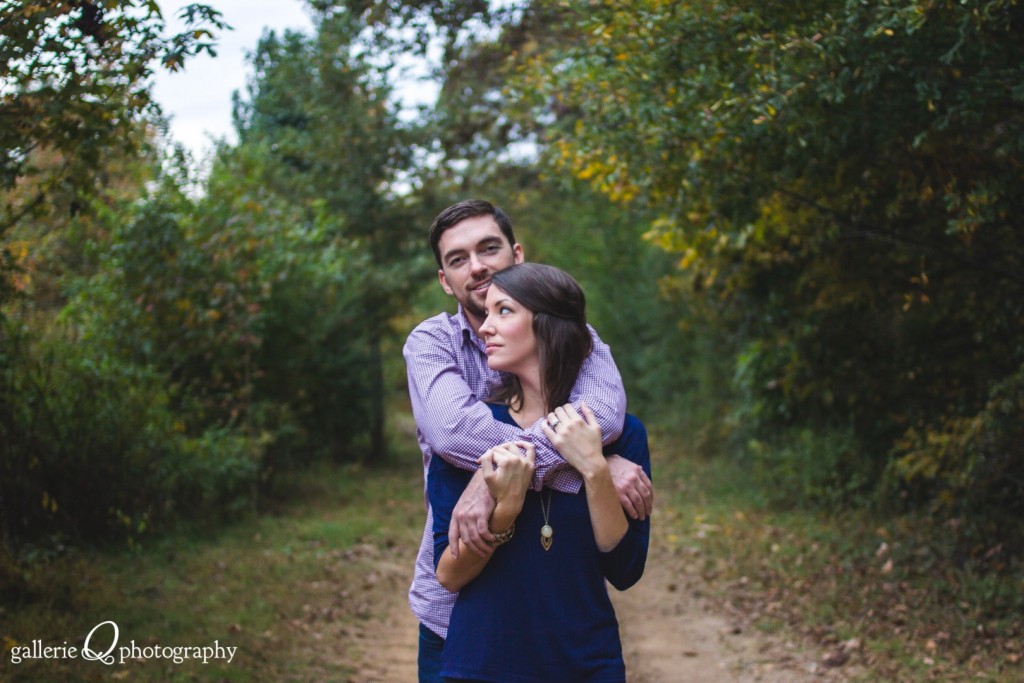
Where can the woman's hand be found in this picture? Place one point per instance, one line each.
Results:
(508, 473)
(577, 439)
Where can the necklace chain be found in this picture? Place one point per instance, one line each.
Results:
(546, 532)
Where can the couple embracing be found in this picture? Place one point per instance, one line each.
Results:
(537, 482)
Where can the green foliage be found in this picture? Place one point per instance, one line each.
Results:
(215, 474)
(969, 466)
(76, 79)
(841, 182)
(319, 135)
(91, 450)
(812, 468)
(217, 338)
(81, 429)
(396, 25)
(251, 314)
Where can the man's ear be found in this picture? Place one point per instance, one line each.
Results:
(444, 282)
(517, 253)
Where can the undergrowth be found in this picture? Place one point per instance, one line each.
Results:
(891, 594)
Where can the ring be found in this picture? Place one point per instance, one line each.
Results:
(553, 423)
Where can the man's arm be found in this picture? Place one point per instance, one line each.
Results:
(454, 422)
(599, 385)
(458, 427)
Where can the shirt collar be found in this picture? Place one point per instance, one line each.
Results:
(468, 335)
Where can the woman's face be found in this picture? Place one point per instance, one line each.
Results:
(508, 333)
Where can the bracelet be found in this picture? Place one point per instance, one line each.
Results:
(503, 537)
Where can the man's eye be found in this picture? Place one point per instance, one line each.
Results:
(456, 262)
(491, 249)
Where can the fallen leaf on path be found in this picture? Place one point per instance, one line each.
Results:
(835, 658)
(851, 645)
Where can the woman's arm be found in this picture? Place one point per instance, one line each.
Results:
(507, 473)
(578, 440)
(624, 565)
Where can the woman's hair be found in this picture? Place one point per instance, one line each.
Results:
(559, 326)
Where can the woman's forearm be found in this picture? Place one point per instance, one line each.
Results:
(454, 573)
(606, 515)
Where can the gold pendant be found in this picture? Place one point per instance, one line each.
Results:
(546, 534)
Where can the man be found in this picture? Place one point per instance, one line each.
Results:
(449, 377)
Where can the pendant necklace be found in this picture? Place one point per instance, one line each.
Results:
(546, 532)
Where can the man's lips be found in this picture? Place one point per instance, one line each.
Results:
(482, 287)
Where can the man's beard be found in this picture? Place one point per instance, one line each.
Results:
(473, 308)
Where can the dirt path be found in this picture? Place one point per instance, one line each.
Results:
(669, 632)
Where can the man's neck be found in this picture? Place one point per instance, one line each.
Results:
(473, 322)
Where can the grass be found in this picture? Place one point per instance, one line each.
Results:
(884, 590)
(272, 586)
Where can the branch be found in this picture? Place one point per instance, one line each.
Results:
(28, 208)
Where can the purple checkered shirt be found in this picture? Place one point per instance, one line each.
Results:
(448, 379)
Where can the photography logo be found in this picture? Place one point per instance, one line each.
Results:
(95, 648)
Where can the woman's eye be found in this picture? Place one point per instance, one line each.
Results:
(504, 310)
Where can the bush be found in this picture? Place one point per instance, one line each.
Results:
(806, 468)
(92, 452)
(969, 468)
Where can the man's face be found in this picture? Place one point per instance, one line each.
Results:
(471, 251)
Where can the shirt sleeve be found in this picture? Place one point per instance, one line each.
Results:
(459, 428)
(624, 564)
(445, 485)
(599, 385)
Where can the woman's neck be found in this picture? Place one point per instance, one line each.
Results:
(532, 407)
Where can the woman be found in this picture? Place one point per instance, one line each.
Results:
(537, 609)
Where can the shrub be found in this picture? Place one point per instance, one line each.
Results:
(91, 450)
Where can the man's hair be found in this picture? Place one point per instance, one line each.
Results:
(559, 326)
(468, 208)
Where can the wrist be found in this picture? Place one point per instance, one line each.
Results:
(595, 470)
(505, 513)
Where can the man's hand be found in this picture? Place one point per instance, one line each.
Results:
(636, 493)
(470, 518)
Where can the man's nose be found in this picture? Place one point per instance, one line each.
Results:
(476, 265)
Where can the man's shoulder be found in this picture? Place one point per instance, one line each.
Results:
(443, 328)
(442, 322)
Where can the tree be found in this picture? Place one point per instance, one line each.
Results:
(76, 83)
(842, 177)
(319, 132)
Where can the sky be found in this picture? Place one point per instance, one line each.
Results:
(198, 98)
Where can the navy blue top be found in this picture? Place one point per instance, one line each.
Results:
(535, 615)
